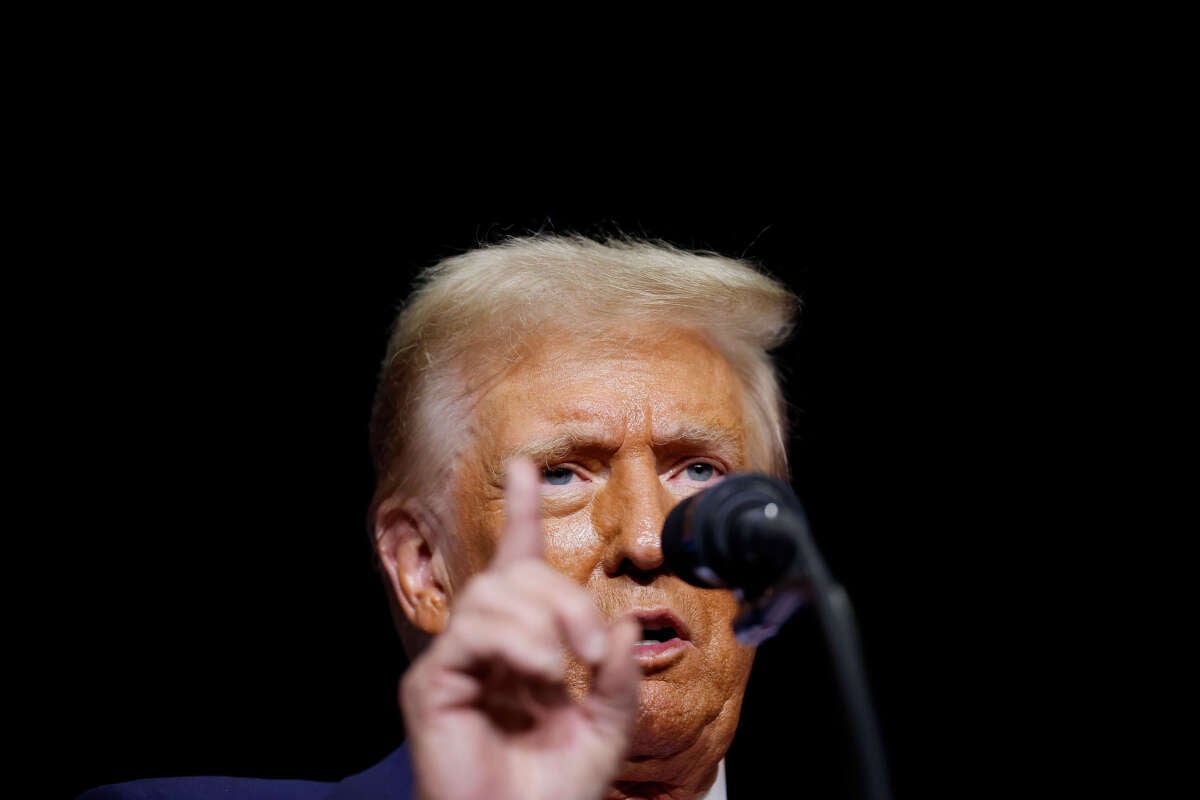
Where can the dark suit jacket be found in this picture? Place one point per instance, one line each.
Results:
(390, 779)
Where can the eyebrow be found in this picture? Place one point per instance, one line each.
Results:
(570, 439)
(713, 438)
(722, 439)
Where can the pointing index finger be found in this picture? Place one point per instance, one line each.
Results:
(522, 534)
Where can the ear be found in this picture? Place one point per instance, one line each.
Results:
(412, 563)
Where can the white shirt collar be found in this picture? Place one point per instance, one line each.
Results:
(717, 790)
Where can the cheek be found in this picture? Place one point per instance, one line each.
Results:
(721, 608)
(572, 546)
(727, 656)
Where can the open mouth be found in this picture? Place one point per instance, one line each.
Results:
(663, 635)
(651, 635)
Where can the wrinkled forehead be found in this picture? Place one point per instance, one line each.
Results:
(662, 385)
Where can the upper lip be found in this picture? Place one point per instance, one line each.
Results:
(662, 617)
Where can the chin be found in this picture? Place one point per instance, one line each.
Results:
(671, 720)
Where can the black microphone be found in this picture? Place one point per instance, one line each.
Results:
(747, 533)
(750, 534)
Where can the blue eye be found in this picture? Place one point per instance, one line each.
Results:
(701, 471)
(557, 476)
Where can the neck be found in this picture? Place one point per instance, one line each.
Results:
(691, 785)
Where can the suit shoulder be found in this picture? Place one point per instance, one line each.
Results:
(210, 788)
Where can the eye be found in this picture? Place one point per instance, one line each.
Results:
(701, 471)
(557, 476)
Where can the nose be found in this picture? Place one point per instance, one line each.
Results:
(628, 513)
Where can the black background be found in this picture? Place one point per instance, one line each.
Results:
(205, 374)
(212, 220)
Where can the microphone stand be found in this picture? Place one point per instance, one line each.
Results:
(808, 579)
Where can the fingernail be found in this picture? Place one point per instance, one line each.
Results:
(595, 648)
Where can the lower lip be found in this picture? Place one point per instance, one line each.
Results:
(655, 654)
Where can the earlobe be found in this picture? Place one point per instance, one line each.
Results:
(412, 563)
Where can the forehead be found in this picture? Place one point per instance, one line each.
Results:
(660, 384)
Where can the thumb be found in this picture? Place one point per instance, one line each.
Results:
(615, 682)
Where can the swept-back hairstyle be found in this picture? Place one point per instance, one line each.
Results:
(470, 315)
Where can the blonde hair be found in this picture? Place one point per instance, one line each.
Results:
(470, 315)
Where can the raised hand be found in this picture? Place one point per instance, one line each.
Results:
(486, 706)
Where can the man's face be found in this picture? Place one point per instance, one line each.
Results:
(623, 434)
